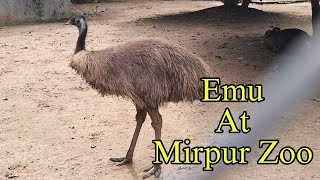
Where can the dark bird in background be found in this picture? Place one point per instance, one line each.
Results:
(280, 40)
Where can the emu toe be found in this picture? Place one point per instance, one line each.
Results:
(154, 170)
(122, 160)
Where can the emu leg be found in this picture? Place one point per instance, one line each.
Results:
(140, 118)
(156, 125)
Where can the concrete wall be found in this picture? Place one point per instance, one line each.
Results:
(22, 11)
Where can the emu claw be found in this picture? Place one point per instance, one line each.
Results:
(122, 160)
(148, 169)
(156, 171)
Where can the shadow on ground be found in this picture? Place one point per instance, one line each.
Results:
(219, 13)
(240, 51)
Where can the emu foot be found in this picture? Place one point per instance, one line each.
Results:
(122, 160)
(153, 170)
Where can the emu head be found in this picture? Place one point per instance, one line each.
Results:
(79, 22)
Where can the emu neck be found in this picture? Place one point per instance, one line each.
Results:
(81, 43)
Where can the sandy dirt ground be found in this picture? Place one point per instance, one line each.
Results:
(53, 126)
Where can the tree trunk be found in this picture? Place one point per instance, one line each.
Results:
(245, 3)
(230, 3)
(315, 18)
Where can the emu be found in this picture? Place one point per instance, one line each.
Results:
(150, 72)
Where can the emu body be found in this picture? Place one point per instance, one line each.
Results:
(147, 71)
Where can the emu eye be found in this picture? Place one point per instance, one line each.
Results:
(77, 21)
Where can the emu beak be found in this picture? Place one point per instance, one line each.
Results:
(68, 23)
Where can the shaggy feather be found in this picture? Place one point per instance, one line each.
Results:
(149, 72)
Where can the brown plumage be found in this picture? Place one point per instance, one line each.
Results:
(149, 72)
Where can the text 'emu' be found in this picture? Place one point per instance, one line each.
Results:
(230, 92)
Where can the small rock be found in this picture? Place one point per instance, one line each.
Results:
(10, 175)
(316, 100)
(5, 99)
(219, 57)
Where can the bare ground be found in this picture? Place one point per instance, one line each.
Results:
(53, 126)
